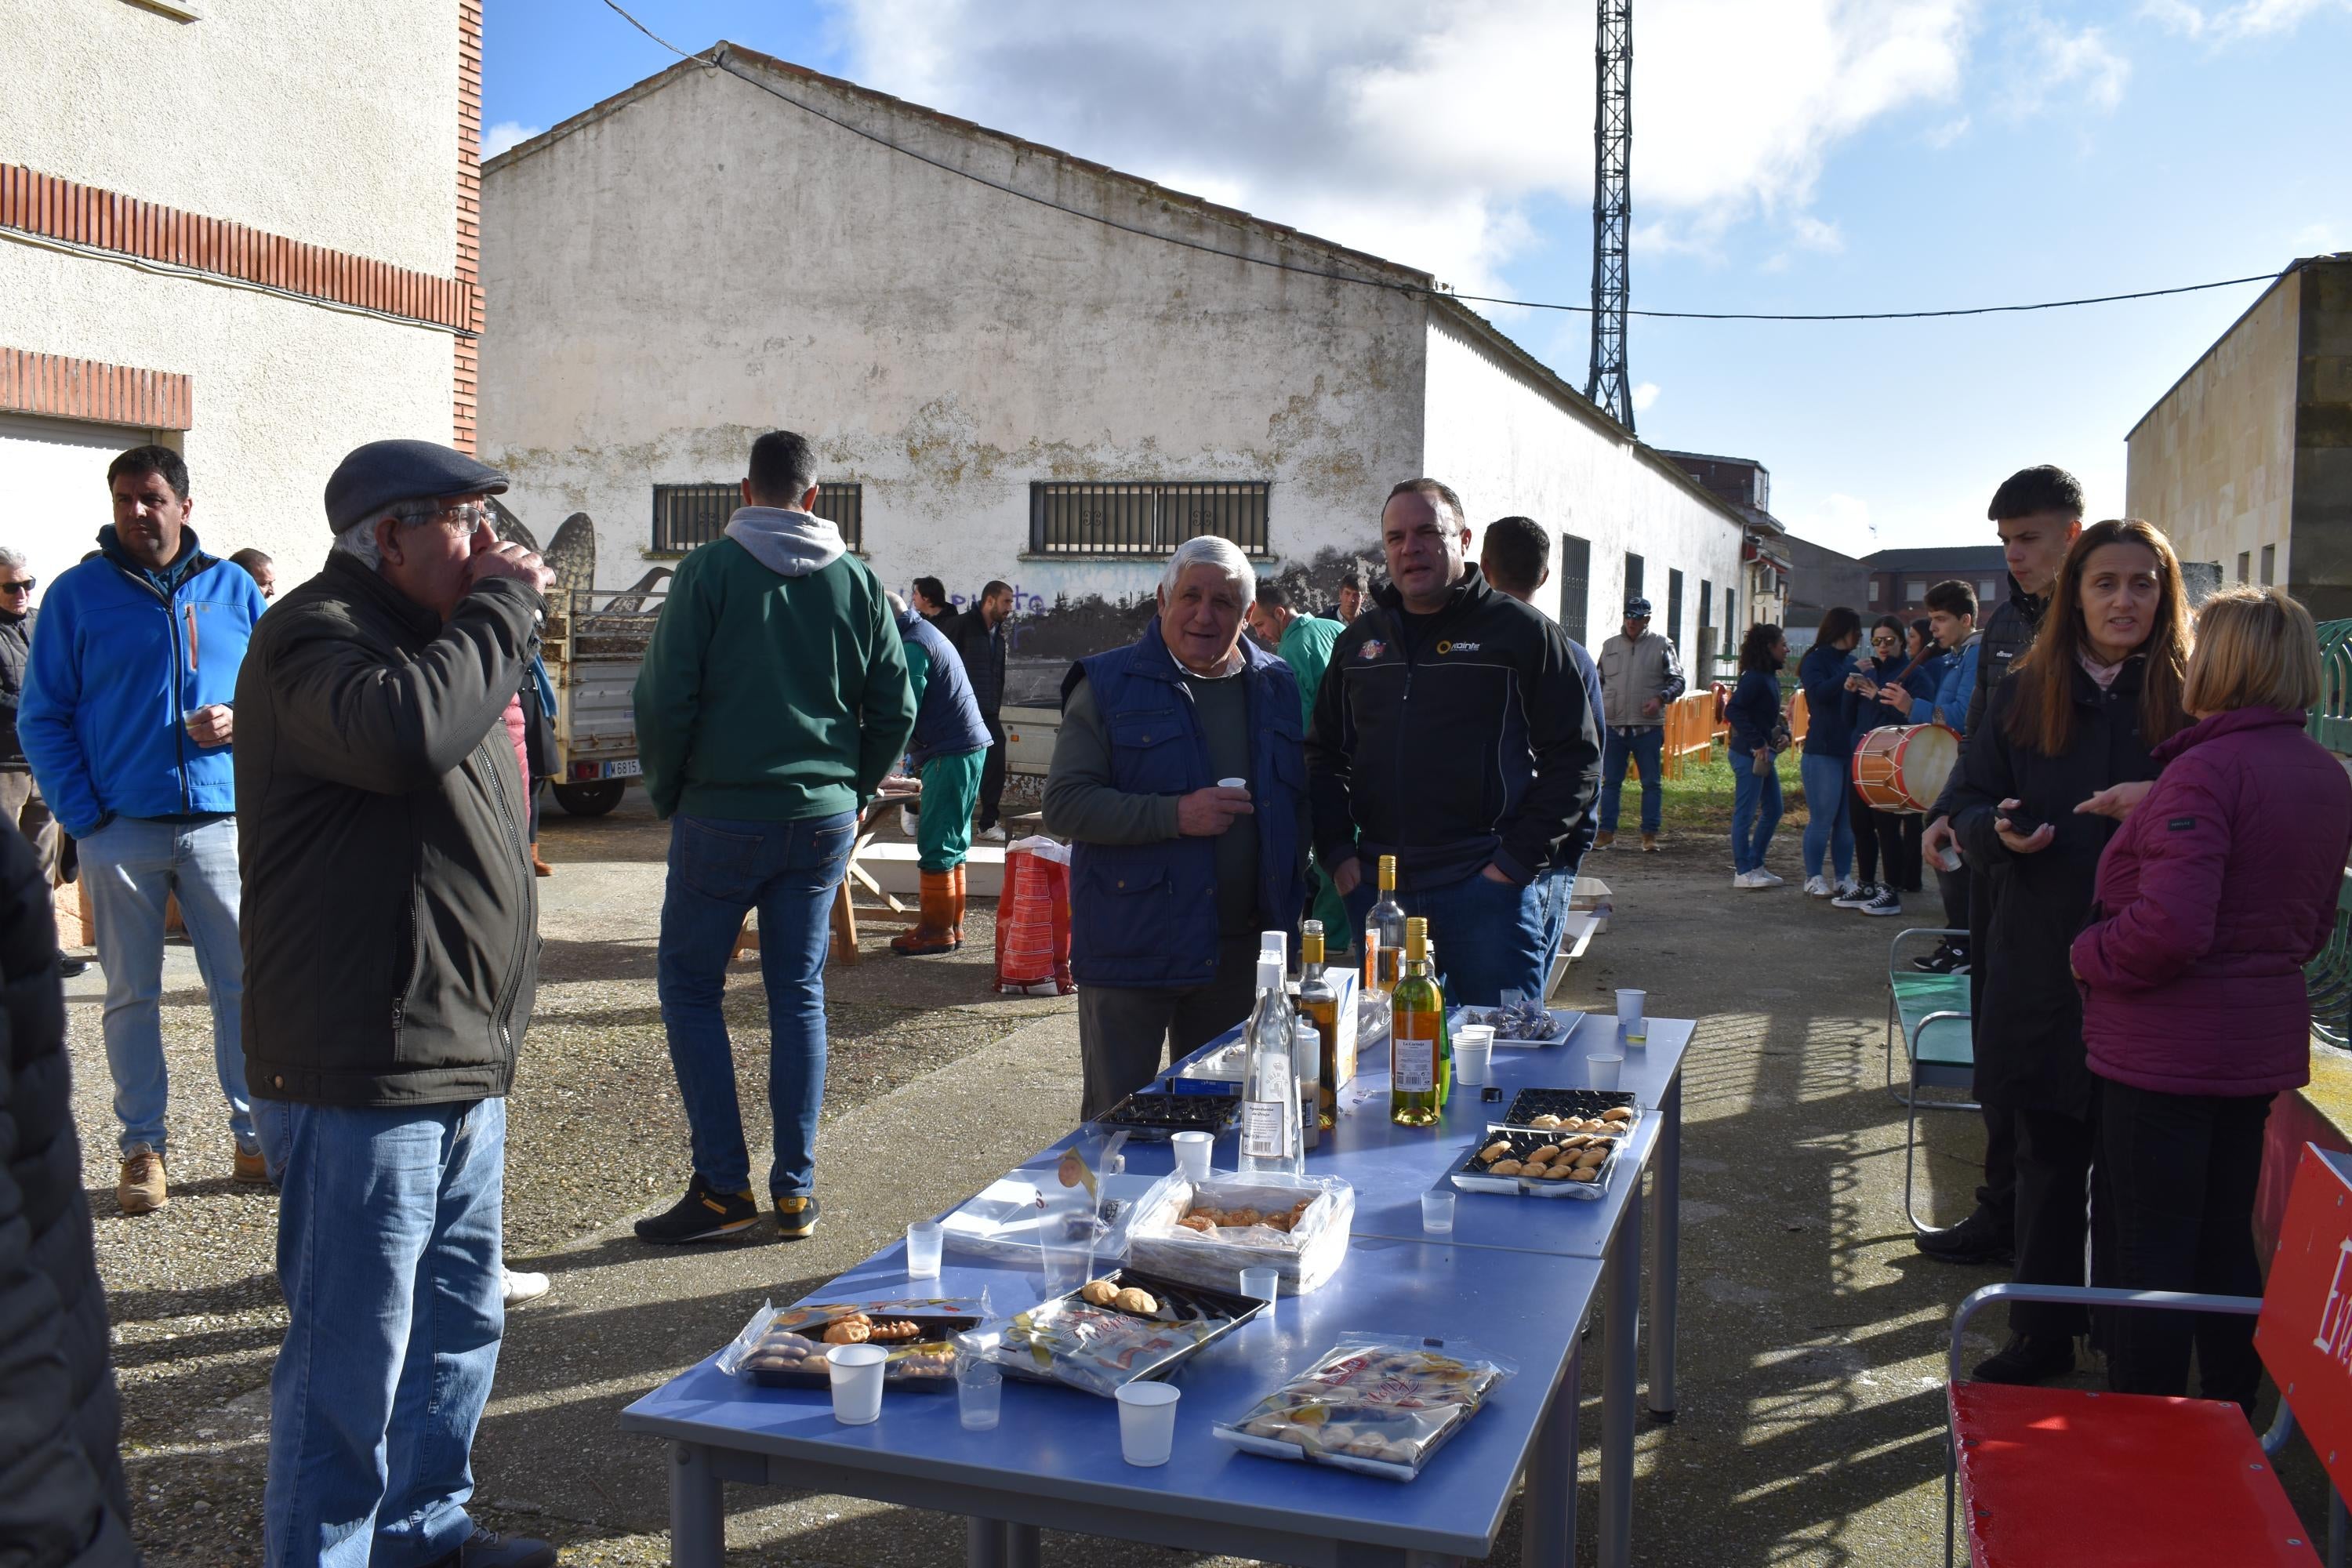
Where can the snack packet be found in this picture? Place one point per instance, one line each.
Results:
(1378, 1404)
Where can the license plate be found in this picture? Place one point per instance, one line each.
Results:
(627, 769)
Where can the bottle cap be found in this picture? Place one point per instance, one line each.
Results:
(1416, 939)
(1276, 942)
(1311, 928)
(1269, 972)
(1388, 871)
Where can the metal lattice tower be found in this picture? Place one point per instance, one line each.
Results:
(1612, 203)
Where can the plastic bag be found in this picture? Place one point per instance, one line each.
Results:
(1378, 1404)
(1032, 918)
(1097, 1346)
(1303, 1245)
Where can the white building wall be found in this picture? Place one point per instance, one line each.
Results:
(333, 121)
(281, 391)
(698, 262)
(1510, 445)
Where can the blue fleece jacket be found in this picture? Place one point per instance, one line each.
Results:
(1829, 728)
(1950, 703)
(1753, 712)
(1863, 715)
(121, 655)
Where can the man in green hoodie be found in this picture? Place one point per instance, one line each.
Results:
(772, 703)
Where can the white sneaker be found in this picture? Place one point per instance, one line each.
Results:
(1765, 880)
(515, 1287)
(1818, 887)
(993, 835)
(1742, 879)
(1755, 879)
(912, 820)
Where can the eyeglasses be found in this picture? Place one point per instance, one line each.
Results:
(1882, 638)
(464, 519)
(22, 585)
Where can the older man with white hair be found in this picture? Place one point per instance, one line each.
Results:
(1173, 872)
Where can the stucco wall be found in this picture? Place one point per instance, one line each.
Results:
(1507, 445)
(702, 262)
(2322, 577)
(330, 121)
(282, 390)
(2212, 464)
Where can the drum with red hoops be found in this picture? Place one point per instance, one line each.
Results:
(1902, 768)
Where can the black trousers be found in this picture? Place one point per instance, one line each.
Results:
(992, 773)
(2180, 1175)
(1886, 845)
(2054, 1215)
(1997, 1197)
(1954, 888)
(1121, 1031)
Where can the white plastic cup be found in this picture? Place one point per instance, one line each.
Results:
(1437, 1212)
(980, 1392)
(1606, 1068)
(1232, 783)
(923, 1249)
(856, 1383)
(1146, 1422)
(1261, 1284)
(1192, 1155)
(1633, 1025)
(1474, 1053)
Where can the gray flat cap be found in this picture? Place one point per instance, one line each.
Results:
(383, 473)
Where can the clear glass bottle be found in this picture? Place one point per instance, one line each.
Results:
(1318, 1005)
(1416, 1034)
(1306, 1053)
(1270, 1131)
(1387, 918)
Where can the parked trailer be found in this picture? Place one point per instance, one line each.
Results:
(593, 649)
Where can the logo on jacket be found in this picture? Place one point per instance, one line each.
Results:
(1458, 648)
(1372, 649)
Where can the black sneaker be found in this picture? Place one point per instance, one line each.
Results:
(488, 1549)
(2027, 1358)
(796, 1217)
(1862, 893)
(1979, 1239)
(1950, 957)
(703, 1214)
(68, 966)
(1886, 903)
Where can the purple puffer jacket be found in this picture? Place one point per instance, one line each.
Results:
(2221, 886)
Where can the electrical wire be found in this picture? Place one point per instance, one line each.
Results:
(717, 60)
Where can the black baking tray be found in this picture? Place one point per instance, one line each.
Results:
(1178, 1303)
(909, 1369)
(1472, 1176)
(1154, 1115)
(1575, 1104)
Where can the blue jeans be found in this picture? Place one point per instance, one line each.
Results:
(388, 1257)
(1755, 813)
(719, 871)
(132, 865)
(1554, 891)
(1644, 746)
(1489, 935)
(1829, 823)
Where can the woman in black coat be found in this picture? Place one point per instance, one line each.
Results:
(2061, 755)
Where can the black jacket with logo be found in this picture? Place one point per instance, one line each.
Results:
(1464, 740)
(391, 917)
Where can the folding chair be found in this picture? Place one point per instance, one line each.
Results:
(2053, 1478)
(1930, 1013)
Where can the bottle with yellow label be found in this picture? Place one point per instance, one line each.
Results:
(1386, 920)
(1318, 1005)
(1416, 1034)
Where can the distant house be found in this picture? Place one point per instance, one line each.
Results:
(1899, 579)
(1767, 559)
(1819, 579)
(1016, 364)
(2247, 460)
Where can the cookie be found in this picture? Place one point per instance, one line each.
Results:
(1547, 1121)
(1585, 1173)
(1134, 1301)
(1101, 1292)
(1505, 1168)
(848, 1333)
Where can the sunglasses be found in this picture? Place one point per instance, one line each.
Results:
(23, 587)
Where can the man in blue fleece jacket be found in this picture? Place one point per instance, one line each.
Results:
(127, 720)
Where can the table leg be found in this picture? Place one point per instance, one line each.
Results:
(1665, 1198)
(983, 1543)
(1620, 1362)
(1548, 1492)
(698, 1524)
(1021, 1546)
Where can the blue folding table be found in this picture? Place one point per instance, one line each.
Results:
(1517, 1279)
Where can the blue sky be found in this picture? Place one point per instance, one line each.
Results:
(1789, 155)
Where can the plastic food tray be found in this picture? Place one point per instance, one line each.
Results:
(1155, 1116)
(1050, 1342)
(1567, 1104)
(1471, 1176)
(1303, 1258)
(1565, 1020)
(914, 1365)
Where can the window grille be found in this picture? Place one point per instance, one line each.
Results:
(689, 515)
(1148, 517)
(1575, 579)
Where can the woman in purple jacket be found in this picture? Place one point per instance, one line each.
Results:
(2219, 886)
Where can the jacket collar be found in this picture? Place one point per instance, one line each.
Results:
(1153, 660)
(356, 577)
(1470, 589)
(2027, 604)
(190, 561)
(2213, 726)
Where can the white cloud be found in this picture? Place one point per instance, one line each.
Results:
(2062, 67)
(2246, 18)
(1645, 394)
(1813, 234)
(1423, 133)
(507, 134)
(1841, 521)
(1951, 130)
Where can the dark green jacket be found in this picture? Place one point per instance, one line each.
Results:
(390, 919)
(768, 697)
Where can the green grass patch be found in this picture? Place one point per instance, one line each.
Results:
(1700, 800)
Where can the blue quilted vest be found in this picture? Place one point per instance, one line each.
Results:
(1145, 915)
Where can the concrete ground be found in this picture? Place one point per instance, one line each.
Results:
(1812, 1399)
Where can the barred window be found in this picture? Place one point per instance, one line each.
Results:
(689, 515)
(1145, 517)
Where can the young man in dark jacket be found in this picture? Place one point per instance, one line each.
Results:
(391, 958)
(62, 1498)
(1453, 731)
(980, 637)
(2037, 512)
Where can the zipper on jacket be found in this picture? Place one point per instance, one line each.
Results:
(178, 728)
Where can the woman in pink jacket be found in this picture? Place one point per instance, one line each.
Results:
(2221, 886)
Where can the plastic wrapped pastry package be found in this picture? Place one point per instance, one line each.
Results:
(1378, 1404)
(1299, 1227)
(784, 1348)
(1017, 1214)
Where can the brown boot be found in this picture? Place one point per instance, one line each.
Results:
(955, 905)
(539, 868)
(936, 933)
(141, 1189)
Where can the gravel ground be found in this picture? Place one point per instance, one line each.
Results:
(1813, 1331)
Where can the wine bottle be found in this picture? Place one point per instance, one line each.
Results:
(1416, 1030)
(1270, 1132)
(1388, 919)
(1445, 1033)
(1307, 1054)
(1320, 1005)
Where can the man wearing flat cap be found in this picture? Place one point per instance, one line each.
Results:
(390, 953)
(1639, 674)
